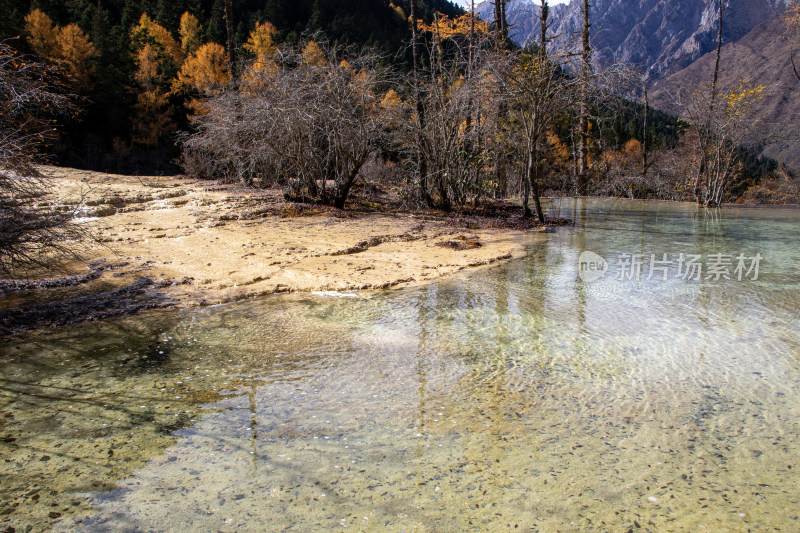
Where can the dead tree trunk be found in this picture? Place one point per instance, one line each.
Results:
(583, 119)
(420, 106)
(246, 178)
(501, 41)
(644, 136)
(705, 166)
(533, 163)
(543, 30)
(231, 43)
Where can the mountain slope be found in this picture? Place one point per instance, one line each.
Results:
(660, 36)
(761, 57)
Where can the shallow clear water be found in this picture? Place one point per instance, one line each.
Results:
(517, 397)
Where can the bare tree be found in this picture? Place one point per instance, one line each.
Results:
(720, 128)
(313, 122)
(537, 92)
(419, 105)
(502, 45)
(719, 131)
(30, 229)
(583, 113)
(459, 96)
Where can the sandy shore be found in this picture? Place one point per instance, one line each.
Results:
(202, 243)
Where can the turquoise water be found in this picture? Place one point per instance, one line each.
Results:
(518, 397)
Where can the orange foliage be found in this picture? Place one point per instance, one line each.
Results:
(560, 152)
(68, 46)
(260, 43)
(76, 51)
(262, 46)
(42, 33)
(205, 71)
(147, 31)
(391, 100)
(628, 159)
(313, 55)
(633, 147)
(190, 32)
(157, 55)
(445, 27)
(147, 60)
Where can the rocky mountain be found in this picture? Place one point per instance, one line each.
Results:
(762, 57)
(660, 36)
(523, 18)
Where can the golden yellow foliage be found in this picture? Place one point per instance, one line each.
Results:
(445, 27)
(391, 100)
(152, 119)
(206, 70)
(76, 51)
(149, 31)
(262, 46)
(147, 60)
(629, 157)
(739, 99)
(559, 151)
(392, 108)
(260, 43)
(42, 33)
(69, 46)
(632, 147)
(363, 79)
(258, 74)
(313, 54)
(190, 32)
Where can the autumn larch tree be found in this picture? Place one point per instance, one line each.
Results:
(68, 46)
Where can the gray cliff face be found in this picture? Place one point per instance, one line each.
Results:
(658, 36)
